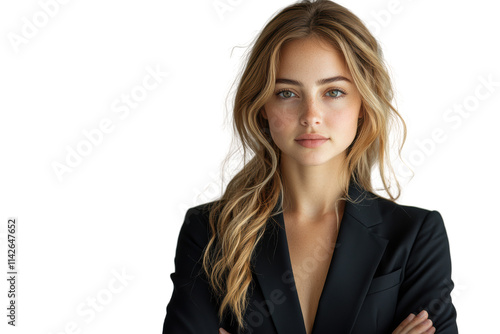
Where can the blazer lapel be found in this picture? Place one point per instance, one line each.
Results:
(354, 261)
(274, 274)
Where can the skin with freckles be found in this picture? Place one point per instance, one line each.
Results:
(330, 109)
(315, 93)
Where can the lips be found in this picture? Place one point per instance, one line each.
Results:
(311, 140)
(311, 136)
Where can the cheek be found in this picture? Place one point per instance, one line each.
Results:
(281, 119)
(344, 123)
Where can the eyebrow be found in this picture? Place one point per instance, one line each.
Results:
(319, 82)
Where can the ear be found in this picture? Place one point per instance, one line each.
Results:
(361, 113)
(263, 112)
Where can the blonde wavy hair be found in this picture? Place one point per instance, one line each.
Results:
(238, 219)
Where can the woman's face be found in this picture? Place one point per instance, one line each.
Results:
(314, 94)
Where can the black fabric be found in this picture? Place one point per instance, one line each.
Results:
(389, 261)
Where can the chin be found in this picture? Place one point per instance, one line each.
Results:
(312, 159)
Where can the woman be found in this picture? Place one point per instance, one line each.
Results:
(298, 242)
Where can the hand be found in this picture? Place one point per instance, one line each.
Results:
(415, 324)
(223, 331)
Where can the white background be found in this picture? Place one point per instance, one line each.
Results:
(120, 209)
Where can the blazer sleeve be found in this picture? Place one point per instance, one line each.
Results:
(427, 280)
(191, 309)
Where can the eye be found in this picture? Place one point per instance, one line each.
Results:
(286, 93)
(337, 93)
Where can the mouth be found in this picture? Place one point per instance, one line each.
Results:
(311, 136)
(311, 143)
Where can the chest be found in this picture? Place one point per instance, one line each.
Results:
(311, 248)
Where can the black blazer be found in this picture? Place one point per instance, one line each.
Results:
(389, 260)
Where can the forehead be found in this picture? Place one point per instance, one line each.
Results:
(311, 55)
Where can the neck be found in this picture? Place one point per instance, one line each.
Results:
(311, 191)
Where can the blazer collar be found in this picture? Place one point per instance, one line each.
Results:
(354, 261)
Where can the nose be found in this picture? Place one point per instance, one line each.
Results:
(310, 114)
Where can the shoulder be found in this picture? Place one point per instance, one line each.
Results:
(395, 212)
(406, 222)
(196, 227)
(192, 240)
(406, 212)
(199, 213)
